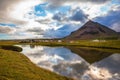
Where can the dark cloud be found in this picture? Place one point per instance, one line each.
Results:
(6, 30)
(57, 3)
(59, 16)
(43, 21)
(36, 30)
(112, 19)
(78, 15)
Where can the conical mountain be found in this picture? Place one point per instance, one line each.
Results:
(92, 30)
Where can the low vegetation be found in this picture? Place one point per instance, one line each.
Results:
(108, 44)
(11, 47)
(16, 66)
(101, 44)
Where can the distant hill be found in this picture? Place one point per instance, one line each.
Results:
(93, 30)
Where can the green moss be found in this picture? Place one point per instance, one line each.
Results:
(16, 66)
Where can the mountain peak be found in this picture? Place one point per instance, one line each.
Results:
(90, 21)
(92, 30)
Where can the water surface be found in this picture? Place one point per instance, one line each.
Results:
(78, 63)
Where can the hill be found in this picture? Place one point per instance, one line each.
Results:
(93, 30)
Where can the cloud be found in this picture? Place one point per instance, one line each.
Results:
(6, 6)
(111, 19)
(57, 3)
(13, 11)
(36, 30)
(44, 19)
(59, 16)
(78, 15)
(116, 26)
(74, 15)
(6, 30)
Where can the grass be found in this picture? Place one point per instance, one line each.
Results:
(109, 44)
(11, 47)
(16, 66)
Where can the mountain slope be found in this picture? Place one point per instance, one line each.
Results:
(92, 30)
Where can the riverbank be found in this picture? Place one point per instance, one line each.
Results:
(107, 45)
(111, 44)
(16, 66)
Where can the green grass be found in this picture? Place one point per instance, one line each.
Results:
(16, 66)
(11, 47)
(109, 44)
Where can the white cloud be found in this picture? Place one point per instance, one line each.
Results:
(13, 11)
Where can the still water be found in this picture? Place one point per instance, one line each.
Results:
(77, 63)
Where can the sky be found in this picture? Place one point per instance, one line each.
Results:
(28, 19)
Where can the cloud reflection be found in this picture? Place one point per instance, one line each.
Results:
(62, 61)
(106, 69)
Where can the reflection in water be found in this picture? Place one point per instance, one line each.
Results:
(90, 55)
(106, 69)
(62, 61)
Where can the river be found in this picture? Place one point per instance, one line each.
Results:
(77, 63)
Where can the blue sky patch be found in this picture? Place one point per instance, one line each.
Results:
(39, 10)
(5, 24)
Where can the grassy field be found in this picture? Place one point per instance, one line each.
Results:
(109, 44)
(16, 66)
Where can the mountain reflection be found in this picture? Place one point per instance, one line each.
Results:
(105, 66)
(90, 55)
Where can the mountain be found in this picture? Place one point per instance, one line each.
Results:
(92, 30)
